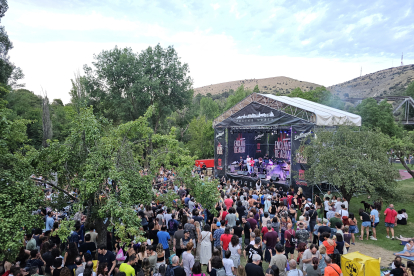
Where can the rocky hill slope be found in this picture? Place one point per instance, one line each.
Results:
(283, 85)
(391, 81)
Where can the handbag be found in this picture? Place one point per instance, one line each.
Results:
(120, 255)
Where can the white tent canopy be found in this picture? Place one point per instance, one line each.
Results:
(318, 114)
(324, 115)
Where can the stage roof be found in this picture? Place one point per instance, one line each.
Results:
(318, 114)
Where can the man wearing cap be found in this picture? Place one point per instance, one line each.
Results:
(308, 203)
(252, 249)
(302, 235)
(253, 268)
(217, 234)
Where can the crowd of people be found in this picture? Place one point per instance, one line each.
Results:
(276, 231)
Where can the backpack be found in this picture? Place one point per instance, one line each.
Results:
(170, 270)
(292, 240)
(220, 271)
(171, 224)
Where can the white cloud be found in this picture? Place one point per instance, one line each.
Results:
(371, 19)
(215, 6)
(86, 22)
(305, 42)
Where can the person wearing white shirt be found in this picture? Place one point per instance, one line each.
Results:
(343, 212)
(345, 202)
(327, 205)
(338, 205)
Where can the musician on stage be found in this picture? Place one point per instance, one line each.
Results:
(241, 161)
(248, 159)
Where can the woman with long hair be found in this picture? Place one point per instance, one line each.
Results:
(141, 255)
(275, 270)
(65, 272)
(146, 268)
(314, 270)
(353, 227)
(235, 249)
(269, 272)
(198, 236)
(205, 245)
(70, 255)
(196, 271)
(160, 256)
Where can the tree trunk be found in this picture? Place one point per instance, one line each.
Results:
(47, 123)
(401, 158)
(102, 229)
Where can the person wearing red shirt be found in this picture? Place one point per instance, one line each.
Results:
(224, 214)
(225, 239)
(390, 220)
(290, 198)
(331, 269)
(228, 202)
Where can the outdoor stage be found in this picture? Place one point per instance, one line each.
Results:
(264, 135)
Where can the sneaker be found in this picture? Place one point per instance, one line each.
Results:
(387, 237)
(374, 239)
(353, 243)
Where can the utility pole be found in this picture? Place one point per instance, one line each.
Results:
(402, 55)
(361, 72)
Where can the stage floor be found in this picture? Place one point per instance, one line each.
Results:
(249, 181)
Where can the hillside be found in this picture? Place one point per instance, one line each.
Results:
(391, 81)
(283, 85)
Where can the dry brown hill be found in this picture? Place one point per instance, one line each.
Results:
(283, 85)
(391, 81)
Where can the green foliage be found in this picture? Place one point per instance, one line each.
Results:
(237, 97)
(168, 198)
(124, 84)
(410, 90)
(202, 138)
(18, 196)
(352, 160)
(209, 108)
(207, 194)
(378, 116)
(256, 89)
(402, 147)
(65, 229)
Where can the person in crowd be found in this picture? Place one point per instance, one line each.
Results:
(205, 245)
(280, 259)
(128, 267)
(216, 266)
(294, 271)
(176, 268)
(252, 249)
(390, 220)
(331, 269)
(228, 264)
(374, 221)
(235, 250)
(188, 259)
(308, 255)
(302, 235)
(366, 223)
(253, 268)
(106, 257)
(290, 241)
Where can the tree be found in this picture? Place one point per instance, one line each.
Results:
(402, 147)
(256, 89)
(201, 143)
(379, 116)
(9, 73)
(106, 164)
(209, 108)
(351, 160)
(237, 97)
(318, 95)
(124, 84)
(410, 90)
(19, 197)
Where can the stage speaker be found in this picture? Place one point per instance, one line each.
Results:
(275, 178)
(240, 172)
(246, 173)
(253, 175)
(262, 176)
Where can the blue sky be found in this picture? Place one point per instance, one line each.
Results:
(325, 42)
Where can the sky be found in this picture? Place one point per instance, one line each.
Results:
(324, 42)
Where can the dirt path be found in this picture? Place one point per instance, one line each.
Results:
(375, 251)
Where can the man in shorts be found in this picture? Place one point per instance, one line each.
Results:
(390, 220)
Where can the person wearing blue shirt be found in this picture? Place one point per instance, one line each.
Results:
(49, 221)
(255, 197)
(163, 238)
(262, 199)
(186, 200)
(375, 221)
